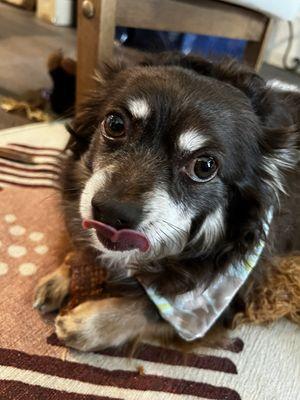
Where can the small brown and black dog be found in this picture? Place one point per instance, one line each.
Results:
(184, 157)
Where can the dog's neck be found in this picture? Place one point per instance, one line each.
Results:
(193, 313)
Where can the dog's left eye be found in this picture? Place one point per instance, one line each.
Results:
(114, 126)
(202, 169)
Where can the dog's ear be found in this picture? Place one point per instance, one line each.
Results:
(77, 142)
(263, 99)
(266, 104)
(193, 62)
(280, 148)
(81, 132)
(252, 197)
(279, 118)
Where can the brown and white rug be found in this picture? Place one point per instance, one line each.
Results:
(262, 363)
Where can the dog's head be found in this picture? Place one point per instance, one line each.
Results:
(182, 154)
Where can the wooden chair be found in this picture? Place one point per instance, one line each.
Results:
(97, 20)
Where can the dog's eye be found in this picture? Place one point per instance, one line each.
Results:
(202, 169)
(114, 126)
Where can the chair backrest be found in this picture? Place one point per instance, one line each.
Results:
(206, 17)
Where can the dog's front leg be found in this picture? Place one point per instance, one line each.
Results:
(109, 322)
(52, 290)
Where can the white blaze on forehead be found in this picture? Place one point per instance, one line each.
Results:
(139, 108)
(191, 140)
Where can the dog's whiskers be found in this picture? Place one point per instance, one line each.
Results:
(177, 228)
(167, 236)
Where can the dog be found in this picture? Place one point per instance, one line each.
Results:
(175, 165)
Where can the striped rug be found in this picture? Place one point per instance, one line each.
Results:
(29, 161)
(258, 363)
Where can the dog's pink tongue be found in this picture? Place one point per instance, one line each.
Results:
(122, 240)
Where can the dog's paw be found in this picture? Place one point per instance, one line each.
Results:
(78, 328)
(52, 290)
(94, 325)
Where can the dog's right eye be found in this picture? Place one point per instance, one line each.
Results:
(114, 127)
(202, 169)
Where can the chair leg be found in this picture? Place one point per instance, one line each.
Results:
(254, 51)
(95, 38)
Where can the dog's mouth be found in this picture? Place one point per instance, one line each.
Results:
(118, 240)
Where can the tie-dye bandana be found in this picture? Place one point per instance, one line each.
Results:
(193, 313)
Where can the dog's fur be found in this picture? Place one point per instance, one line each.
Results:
(179, 108)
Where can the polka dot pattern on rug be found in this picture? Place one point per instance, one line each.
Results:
(16, 251)
(27, 269)
(17, 230)
(10, 218)
(3, 268)
(22, 247)
(43, 249)
(36, 236)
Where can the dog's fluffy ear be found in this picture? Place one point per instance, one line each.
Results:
(280, 149)
(264, 101)
(270, 109)
(80, 136)
(193, 62)
(252, 197)
(108, 70)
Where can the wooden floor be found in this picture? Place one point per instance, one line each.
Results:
(25, 43)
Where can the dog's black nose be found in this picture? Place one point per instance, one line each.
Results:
(119, 215)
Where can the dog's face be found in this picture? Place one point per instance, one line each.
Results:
(174, 156)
